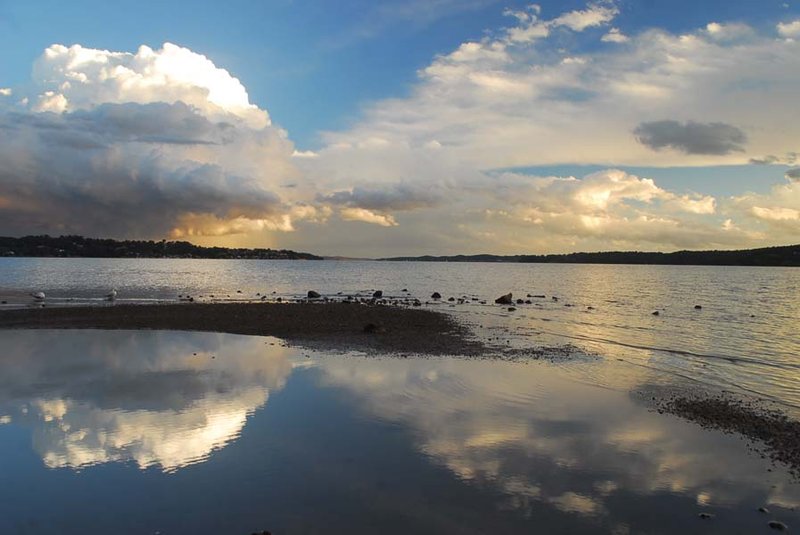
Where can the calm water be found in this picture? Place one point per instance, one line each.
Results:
(157, 432)
(746, 337)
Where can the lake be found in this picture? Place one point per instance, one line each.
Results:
(745, 338)
(165, 432)
(162, 432)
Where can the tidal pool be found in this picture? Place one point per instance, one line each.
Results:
(163, 432)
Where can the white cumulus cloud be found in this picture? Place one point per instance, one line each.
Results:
(789, 29)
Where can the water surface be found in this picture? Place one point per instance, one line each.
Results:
(145, 432)
(745, 337)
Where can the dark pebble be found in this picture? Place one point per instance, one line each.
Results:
(436, 295)
(780, 526)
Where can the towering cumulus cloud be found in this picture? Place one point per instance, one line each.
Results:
(157, 143)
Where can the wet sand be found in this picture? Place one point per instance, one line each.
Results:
(778, 435)
(332, 326)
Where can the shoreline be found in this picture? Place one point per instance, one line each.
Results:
(337, 326)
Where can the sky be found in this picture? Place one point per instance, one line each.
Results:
(388, 128)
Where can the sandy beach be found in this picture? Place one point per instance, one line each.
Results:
(337, 326)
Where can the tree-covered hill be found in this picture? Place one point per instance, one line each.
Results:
(78, 246)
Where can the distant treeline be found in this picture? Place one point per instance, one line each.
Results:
(78, 246)
(767, 256)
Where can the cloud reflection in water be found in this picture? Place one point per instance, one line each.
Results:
(153, 398)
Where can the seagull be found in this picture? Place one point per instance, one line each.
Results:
(39, 296)
(112, 295)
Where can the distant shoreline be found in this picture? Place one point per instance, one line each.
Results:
(81, 247)
(785, 256)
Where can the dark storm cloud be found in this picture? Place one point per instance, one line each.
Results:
(123, 170)
(387, 198)
(691, 137)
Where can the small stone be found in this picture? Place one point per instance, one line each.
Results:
(698, 307)
(780, 526)
(436, 295)
(656, 313)
(763, 510)
(705, 516)
(504, 299)
(452, 299)
(511, 309)
(313, 295)
(378, 294)
(520, 301)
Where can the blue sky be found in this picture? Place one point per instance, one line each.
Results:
(423, 125)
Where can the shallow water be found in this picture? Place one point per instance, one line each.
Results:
(147, 431)
(745, 338)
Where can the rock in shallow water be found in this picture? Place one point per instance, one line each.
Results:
(313, 295)
(505, 300)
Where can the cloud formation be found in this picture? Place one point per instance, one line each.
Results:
(691, 137)
(789, 30)
(514, 99)
(153, 144)
(162, 142)
(76, 77)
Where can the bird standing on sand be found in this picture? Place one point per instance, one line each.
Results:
(39, 296)
(112, 295)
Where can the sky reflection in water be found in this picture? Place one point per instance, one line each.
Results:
(137, 432)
